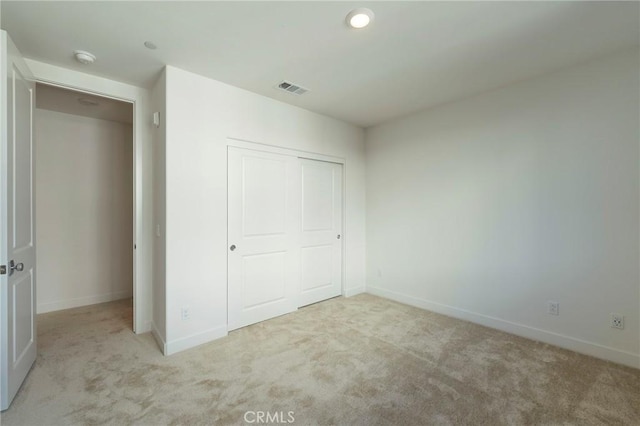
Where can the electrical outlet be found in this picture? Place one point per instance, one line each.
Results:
(553, 307)
(186, 313)
(617, 321)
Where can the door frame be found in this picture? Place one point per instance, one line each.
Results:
(102, 87)
(257, 146)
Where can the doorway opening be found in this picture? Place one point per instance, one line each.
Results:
(84, 192)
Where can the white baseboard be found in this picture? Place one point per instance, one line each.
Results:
(82, 301)
(566, 342)
(194, 340)
(159, 339)
(353, 291)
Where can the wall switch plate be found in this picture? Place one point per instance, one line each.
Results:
(553, 307)
(617, 321)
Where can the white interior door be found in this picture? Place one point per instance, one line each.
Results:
(263, 232)
(321, 235)
(18, 282)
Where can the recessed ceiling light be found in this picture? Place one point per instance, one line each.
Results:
(84, 57)
(360, 18)
(150, 45)
(88, 102)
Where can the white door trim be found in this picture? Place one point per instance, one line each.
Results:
(68, 79)
(257, 146)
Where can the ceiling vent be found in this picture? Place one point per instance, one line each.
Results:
(292, 88)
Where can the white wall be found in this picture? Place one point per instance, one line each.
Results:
(158, 104)
(143, 225)
(84, 206)
(201, 115)
(487, 208)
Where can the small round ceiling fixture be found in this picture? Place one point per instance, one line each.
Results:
(150, 45)
(88, 102)
(360, 18)
(84, 57)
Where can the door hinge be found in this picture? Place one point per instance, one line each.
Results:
(3, 269)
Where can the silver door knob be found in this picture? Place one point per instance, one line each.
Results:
(233, 247)
(15, 267)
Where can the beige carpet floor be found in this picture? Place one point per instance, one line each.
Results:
(362, 360)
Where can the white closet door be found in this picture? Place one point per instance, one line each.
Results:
(321, 236)
(263, 236)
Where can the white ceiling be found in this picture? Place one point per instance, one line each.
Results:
(415, 55)
(67, 101)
